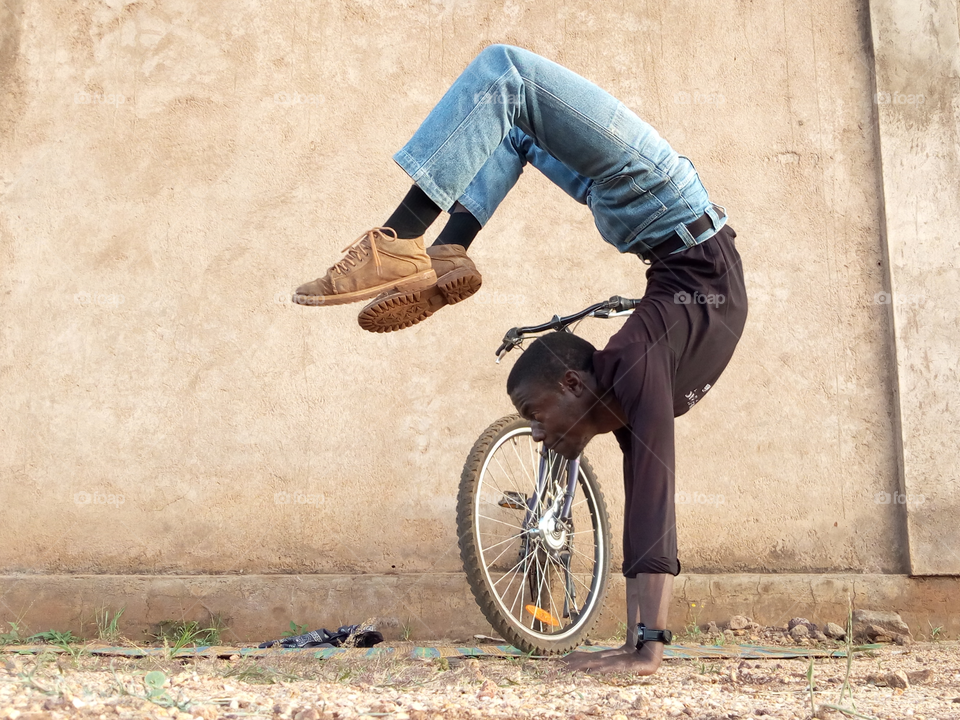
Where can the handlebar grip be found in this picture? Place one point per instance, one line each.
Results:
(624, 304)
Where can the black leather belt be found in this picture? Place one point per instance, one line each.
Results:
(675, 242)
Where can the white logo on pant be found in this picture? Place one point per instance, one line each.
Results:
(694, 396)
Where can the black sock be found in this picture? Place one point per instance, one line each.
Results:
(414, 215)
(461, 229)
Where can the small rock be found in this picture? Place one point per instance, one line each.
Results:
(488, 690)
(917, 677)
(834, 631)
(796, 621)
(867, 623)
(308, 714)
(819, 636)
(799, 632)
(738, 622)
(871, 633)
(897, 679)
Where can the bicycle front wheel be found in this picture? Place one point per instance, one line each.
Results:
(539, 582)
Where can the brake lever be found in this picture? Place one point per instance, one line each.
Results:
(510, 341)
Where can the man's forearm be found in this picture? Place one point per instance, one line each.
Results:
(653, 593)
(648, 601)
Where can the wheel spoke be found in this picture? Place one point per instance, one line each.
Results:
(505, 550)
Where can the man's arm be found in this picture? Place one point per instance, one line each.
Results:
(642, 377)
(648, 601)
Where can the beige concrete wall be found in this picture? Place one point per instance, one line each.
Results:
(918, 99)
(169, 171)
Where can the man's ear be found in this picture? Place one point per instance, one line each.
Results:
(573, 381)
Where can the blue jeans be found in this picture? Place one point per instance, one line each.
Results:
(510, 107)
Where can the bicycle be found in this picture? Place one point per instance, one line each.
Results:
(523, 534)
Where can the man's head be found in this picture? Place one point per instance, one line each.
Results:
(553, 386)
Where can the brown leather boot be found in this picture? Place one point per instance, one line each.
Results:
(457, 279)
(375, 263)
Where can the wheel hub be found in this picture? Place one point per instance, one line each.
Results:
(552, 532)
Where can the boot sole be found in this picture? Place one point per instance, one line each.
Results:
(401, 309)
(411, 283)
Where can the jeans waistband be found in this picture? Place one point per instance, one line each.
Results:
(713, 219)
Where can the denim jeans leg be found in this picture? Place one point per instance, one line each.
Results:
(502, 169)
(504, 87)
(640, 189)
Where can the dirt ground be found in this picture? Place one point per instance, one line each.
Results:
(77, 685)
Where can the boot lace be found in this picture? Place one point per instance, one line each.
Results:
(360, 248)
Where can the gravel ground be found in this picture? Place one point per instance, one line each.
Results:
(302, 688)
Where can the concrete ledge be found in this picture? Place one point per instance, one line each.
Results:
(439, 605)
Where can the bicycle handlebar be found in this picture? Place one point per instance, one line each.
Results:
(607, 309)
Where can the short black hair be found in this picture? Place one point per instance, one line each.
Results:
(549, 357)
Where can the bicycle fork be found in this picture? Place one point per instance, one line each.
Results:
(554, 526)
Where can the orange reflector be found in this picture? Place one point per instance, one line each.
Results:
(542, 615)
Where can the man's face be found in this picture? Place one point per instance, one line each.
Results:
(559, 414)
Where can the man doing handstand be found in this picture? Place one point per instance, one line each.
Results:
(510, 107)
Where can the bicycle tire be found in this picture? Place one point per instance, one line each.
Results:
(539, 638)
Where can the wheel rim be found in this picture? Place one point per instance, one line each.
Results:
(524, 567)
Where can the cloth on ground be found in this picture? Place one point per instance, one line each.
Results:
(344, 636)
